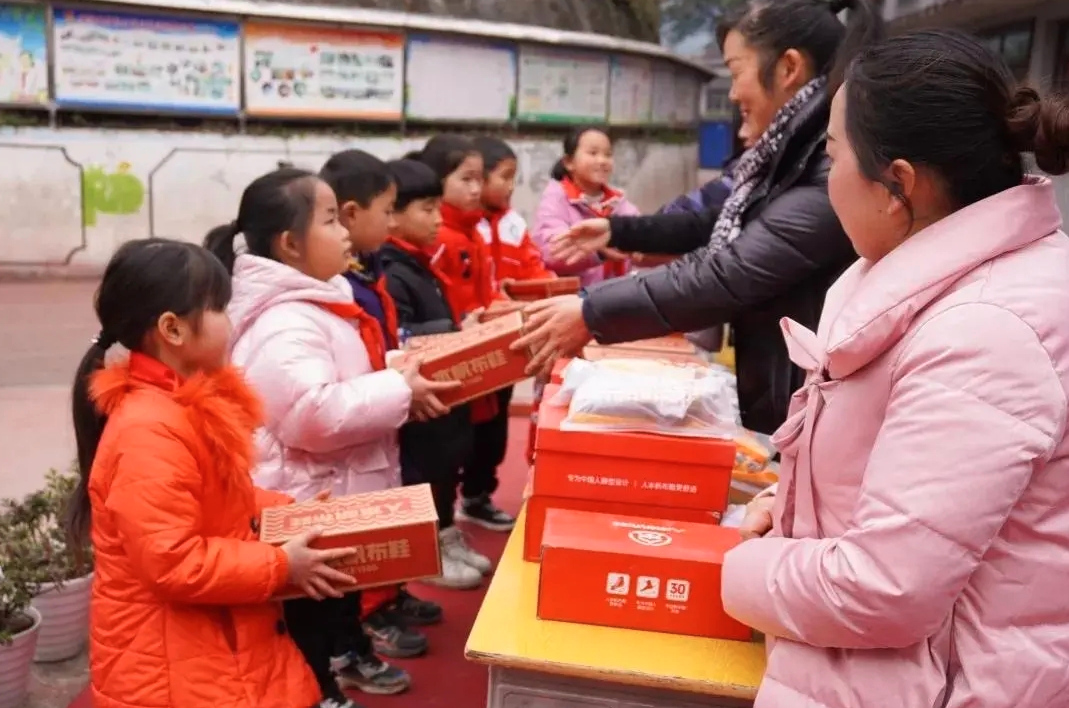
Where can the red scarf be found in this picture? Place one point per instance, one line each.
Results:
(374, 338)
(603, 209)
(423, 257)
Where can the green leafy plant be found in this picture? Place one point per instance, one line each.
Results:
(34, 550)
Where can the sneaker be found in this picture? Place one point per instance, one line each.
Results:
(391, 636)
(482, 511)
(335, 703)
(455, 546)
(370, 674)
(416, 612)
(456, 574)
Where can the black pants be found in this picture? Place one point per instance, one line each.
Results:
(491, 438)
(443, 488)
(324, 629)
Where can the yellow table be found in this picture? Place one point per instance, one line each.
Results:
(539, 664)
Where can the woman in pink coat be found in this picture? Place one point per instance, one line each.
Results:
(917, 551)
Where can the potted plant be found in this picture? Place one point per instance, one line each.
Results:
(20, 623)
(64, 574)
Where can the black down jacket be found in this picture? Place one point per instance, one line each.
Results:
(432, 451)
(791, 249)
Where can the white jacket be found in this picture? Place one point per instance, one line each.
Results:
(331, 421)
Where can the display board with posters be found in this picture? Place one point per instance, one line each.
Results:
(664, 95)
(460, 80)
(630, 90)
(687, 103)
(562, 86)
(317, 72)
(23, 54)
(123, 60)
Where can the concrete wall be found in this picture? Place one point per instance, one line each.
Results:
(70, 197)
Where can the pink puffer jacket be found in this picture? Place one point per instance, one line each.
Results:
(920, 553)
(331, 420)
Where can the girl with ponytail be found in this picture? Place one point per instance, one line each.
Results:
(165, 450)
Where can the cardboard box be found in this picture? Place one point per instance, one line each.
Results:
(500, 308)
(394, 533)
(539, 506)
(597, 353)
(671, 344)
(422, 341)
(541, 288)
(480, 358)
(556, 377)
(636, 573)
(635, 468)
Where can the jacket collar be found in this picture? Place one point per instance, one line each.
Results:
(222, 410)
(806, 136)
(459, 220)
(608, 200)
(873, 304)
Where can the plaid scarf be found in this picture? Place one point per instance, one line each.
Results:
(754, 164)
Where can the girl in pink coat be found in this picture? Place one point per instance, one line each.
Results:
(916, 552)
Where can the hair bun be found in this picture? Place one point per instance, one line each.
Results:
(837, 6)
(1040, 126)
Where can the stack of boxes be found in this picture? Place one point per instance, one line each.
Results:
(626, 525)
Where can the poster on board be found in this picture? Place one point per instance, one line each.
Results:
(664, 95)
(460, 80)
(630, 91)
(122, 60)
(320, 72)
(687, 99)
(557, 86)
(23, 54)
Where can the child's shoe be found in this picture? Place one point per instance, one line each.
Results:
(455, 545)
(391, 637)
(456, 573)
(416, 612)
(335, 703)
(481, 511)
(370, 674)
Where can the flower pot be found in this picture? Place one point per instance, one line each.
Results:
(16, 660)
(64, 619)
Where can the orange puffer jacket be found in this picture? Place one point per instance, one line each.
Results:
(180, 614)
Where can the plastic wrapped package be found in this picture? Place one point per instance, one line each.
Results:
(649, 396)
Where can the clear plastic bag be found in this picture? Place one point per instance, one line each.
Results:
(649, 396)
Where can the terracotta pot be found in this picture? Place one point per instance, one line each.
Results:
(16, 661)
(65, 619)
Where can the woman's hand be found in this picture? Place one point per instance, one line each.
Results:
(611, 254)
(553, 328)
(585, 238)
(310, 570)
(322, 496)
(425, 404)
(473, 318)
(758, 519)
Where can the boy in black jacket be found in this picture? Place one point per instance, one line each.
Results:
(431, 452)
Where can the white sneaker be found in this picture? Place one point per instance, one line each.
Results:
(456, 575)
(456, 546)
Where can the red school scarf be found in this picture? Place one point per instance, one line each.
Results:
(375, 340)
(425, 259)
(602, 208)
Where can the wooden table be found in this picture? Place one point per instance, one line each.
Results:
(538, 664)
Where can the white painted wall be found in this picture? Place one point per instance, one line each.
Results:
(179, 185)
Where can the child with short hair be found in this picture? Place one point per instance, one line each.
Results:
(358, 178)
(432, 451)
(463, 258)
(333, 407)
(181, 602)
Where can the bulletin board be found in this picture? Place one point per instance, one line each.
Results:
(308, 71)
(23, 54)
(687, 104)
(561, 86)
(119, 59)
(630, 91)
(664, 95)
(460, 80)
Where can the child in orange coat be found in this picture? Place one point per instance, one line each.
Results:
(181, 603)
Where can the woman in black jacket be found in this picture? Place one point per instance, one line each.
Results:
(770, 251)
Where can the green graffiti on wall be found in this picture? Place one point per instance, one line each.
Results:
(119, 193)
